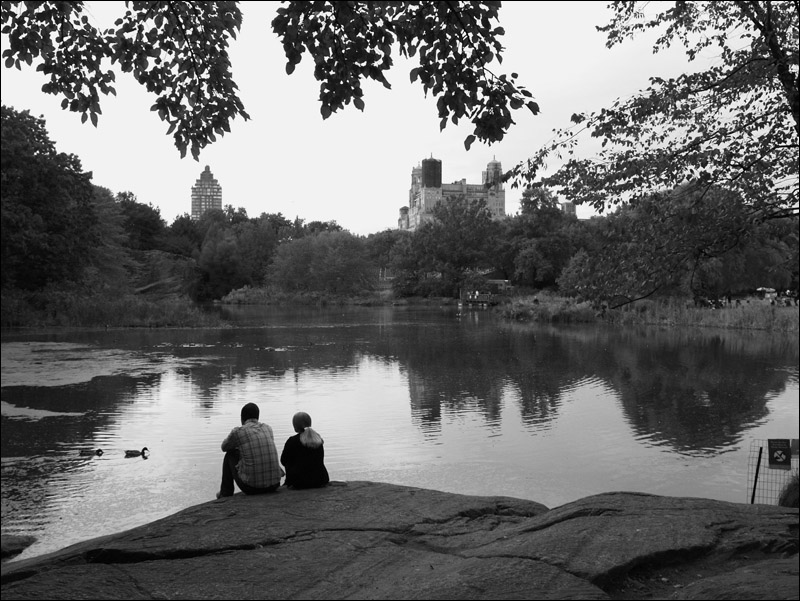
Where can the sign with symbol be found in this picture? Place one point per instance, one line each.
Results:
(780, 453)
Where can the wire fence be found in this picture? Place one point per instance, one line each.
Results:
(765, 482)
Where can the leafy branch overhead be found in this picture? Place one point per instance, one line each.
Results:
(455, 42)
(179, 52)
(734, 124)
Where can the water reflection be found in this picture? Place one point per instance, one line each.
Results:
(696, 392)
(459, 402)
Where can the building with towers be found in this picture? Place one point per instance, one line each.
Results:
(427, 191)
(206, 194)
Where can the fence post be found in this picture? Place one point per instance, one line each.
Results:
(755, 480)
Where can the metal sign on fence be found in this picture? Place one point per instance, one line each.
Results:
(779, 453)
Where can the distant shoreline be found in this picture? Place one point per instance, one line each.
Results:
(176, 312)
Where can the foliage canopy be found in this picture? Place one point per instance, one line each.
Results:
(179, 52)
(47, 206)
(734, 124)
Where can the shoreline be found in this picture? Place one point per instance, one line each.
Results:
(369, 540)
(544, 307)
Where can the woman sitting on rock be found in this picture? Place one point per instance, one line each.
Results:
(304, 455)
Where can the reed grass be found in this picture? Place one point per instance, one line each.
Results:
(275, 296)
(549, 308)
(70, 309)
(752, 314)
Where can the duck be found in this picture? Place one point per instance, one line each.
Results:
(142, 453)
(91, 452)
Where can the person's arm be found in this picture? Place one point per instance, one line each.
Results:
(286, 456)
(231, 441)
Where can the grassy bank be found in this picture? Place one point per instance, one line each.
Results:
(64, 309)
(751, 314)
(272, 296)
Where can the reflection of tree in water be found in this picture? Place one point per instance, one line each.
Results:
(691, 390)
(540, 369)
(458, 369)
(698, 391)
(32, 447)
(470, 370)
(211, 362)
(79, 411)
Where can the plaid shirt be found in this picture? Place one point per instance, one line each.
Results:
(258, 458)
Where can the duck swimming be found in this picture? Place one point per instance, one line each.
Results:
(143, 453)
(91, 452)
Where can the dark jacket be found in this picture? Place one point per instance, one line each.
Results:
(305, 466)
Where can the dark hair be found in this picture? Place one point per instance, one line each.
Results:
(249, 411)
(300, 421)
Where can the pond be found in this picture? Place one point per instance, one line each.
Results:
(461, 402)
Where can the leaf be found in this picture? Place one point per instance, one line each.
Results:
(468, 141)
(325, 110)
(359, 103)
(289, 68)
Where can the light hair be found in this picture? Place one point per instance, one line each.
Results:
(308, 436)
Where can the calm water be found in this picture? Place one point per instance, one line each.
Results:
(463, 403)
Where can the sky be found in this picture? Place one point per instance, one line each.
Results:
(355, 167)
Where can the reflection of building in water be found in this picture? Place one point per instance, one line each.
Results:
(206, 194)
(427, 191)
(426, 410)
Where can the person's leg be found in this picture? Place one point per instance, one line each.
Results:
(229, 473)
(250, 490)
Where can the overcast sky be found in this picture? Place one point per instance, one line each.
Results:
(354, 167)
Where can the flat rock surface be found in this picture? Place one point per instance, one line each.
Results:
(366, 540)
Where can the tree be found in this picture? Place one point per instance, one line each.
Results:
(280, 225)
(48, 217)
(537, 243)
(331, 261)
(235, 216)
(221, 263)
(537, 199)
(179, 52)
(143, 222)
(540, 261)
(733, 125)
(108, 260)
(455, 43)
(381, 245)
(411, 265)
(183, 236)
(458, 240)
(662, 244)
(317, 227)
(257, 242)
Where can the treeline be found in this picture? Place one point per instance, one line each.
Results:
(65, 240)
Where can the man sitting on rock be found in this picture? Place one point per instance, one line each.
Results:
(251, 458)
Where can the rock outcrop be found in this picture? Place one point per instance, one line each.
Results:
(364, 540)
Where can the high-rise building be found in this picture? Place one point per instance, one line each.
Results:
(206, 194)
(427, 190)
